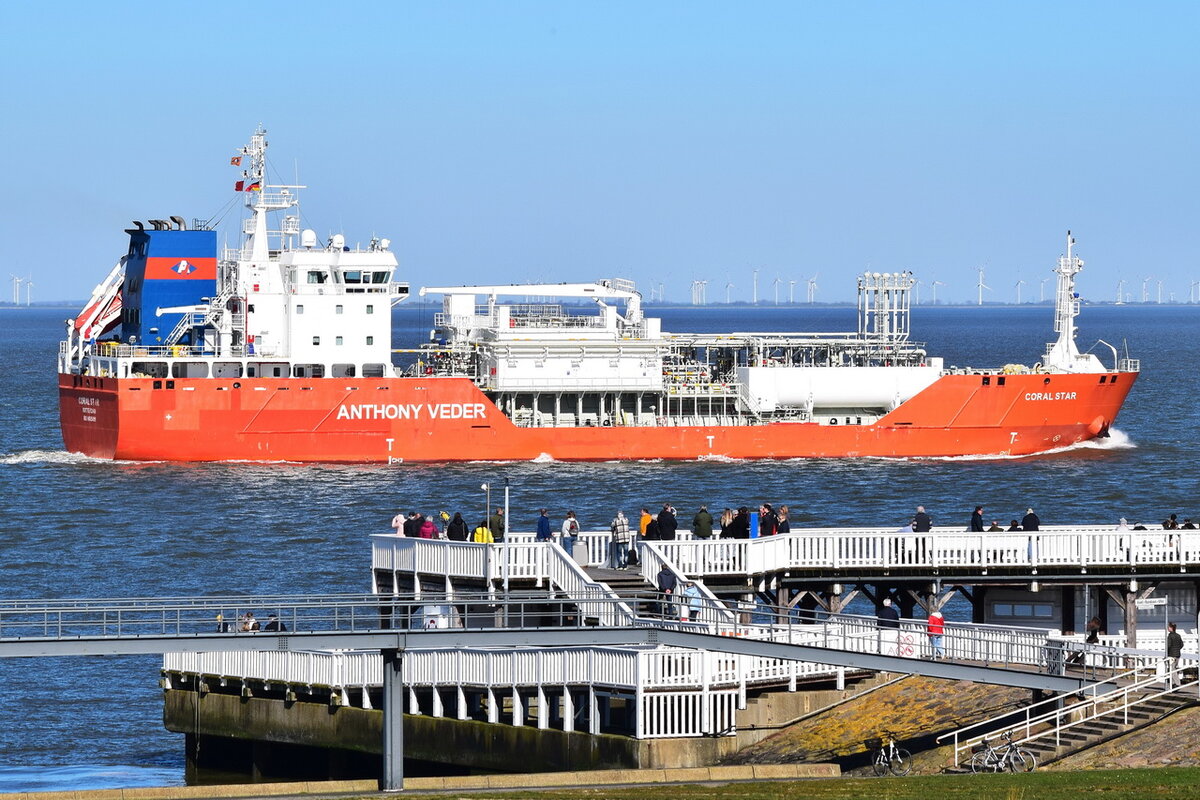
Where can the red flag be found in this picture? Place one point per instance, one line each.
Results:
(236, 161)
(239, 186)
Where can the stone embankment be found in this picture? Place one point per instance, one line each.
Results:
(916, 709)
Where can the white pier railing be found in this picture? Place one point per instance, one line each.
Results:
(1059, 547)
(876, 550)
(679, 692)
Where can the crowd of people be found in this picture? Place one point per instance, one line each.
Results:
(664, 524)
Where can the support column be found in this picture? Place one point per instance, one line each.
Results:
(1068, 609)
(393, 722)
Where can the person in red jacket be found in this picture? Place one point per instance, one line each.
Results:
(936, 632)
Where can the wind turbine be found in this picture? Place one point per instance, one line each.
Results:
(1146, 292)
(1160, 283)
(1192, 291)
(1019, 284)
(728, 286)
(791, 292)
(1042, 295)
(1121, 292)
(934, 286)
(812, 289)
(29, 291)
(777, 281)
(17, 281)
(755, 299)
(916, 293)
(982, 285)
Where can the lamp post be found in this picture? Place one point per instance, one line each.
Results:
(487, 501)
(507, 557)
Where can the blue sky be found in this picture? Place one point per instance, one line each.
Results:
(670, 141)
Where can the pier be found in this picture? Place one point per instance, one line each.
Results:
(583, 667)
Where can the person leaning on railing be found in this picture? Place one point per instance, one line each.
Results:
(618, 553)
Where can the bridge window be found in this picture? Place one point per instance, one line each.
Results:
(370, 340)
(352, 276)
(317, 276)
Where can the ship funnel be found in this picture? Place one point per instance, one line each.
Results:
(140, 227)
(179, 223)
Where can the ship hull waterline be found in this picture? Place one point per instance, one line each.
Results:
(393, 420)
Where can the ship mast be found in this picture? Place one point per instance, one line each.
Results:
(261, 198)
(1063, 354)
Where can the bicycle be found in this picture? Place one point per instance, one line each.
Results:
(889, 757)
(1008, 756)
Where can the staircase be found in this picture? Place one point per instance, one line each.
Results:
(641, 595)
(1054, 729)
(1151, 707)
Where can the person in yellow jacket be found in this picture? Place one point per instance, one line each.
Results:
(483, 534)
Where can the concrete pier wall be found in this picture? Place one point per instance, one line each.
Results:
(265, 738)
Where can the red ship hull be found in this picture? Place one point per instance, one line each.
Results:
(449, 419)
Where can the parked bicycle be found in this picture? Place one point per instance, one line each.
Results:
(1007, 756)
(889, 757)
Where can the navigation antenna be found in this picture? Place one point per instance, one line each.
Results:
(884, 306)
